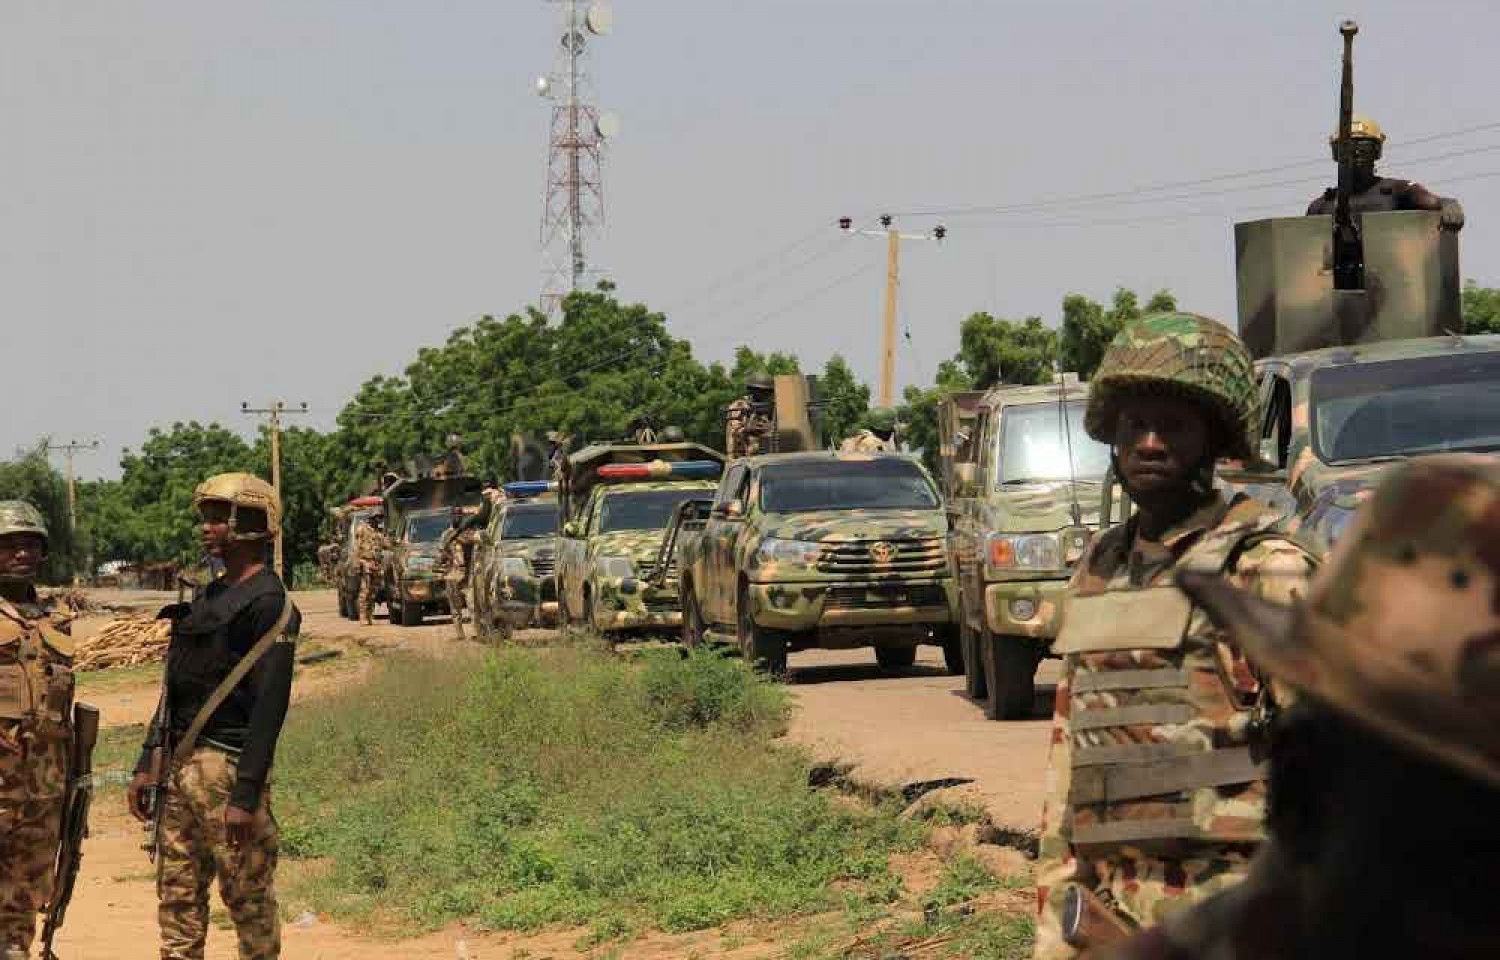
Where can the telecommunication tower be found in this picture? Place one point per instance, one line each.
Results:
(573, 203)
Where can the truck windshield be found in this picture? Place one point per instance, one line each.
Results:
(1034, 441)
(427, 528)
(643, 509)
(1397, 408)
(880, 484)
(524, 523)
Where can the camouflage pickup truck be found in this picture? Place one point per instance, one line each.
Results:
(417, 512)
(513, 575)
(818, 549)
(1024, 492)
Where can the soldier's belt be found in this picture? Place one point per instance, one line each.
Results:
(1155, 774)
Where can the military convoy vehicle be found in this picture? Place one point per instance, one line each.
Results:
(347, 520)
(616, 500)
(820, 550)
(513, 574)
(417, 512)
(1023, 481)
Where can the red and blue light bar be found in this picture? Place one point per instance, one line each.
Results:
(662, 470)
(529, 488)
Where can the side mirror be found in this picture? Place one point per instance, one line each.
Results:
(570, 529)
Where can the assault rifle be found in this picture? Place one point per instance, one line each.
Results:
(160, 762)
(1348, 248)
(75, 821)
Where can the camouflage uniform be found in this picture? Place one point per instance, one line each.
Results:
(1148, 679)
(1398, 635)
(745, 429)
(453, 564)
(369, 547)
(36, 709)
(1376, 194)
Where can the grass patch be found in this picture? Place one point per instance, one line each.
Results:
(104, 681)
(115, 756)
(522, 788)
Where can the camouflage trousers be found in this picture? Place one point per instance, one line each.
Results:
(367, 595)
(29, 831)
(194, 852)
(458, 600)
(1145, 889)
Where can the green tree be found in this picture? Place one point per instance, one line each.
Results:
(1087, 328)
(1481, 306)
(31, 477)
(1005, 351)
(846, 400)
(918, 411)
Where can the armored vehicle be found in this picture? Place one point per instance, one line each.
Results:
(347, 521)
(820, 550)
(513, 576)
(1024, 492)
(417, 512)
(616, 500)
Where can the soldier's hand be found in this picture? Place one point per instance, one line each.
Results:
(239, 827)
(135, 796)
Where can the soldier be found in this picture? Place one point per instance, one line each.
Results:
(1385, 771)
(1373, 193)
(226, 687)
(453, 565)
(1153, 797)
(747, 421)
(558, 458)
(878, 436)
(369, 553)
(36, 733)
(328, 559)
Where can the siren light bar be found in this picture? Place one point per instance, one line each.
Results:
(366, 502)
(685, 469)
(529, 488)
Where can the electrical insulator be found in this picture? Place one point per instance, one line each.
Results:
(885, 220)
(940, 231)
(845, 223)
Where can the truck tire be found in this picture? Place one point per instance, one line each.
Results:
(1010, 674)
(974, 682)
(895, 658)
(953, 649)
(764, 649)
(692, 620)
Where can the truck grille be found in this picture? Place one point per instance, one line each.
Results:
(543, 566)
(884, 596)
(875, 558)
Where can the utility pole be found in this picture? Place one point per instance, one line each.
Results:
(68, 449)
(893, 238)
(275, 410)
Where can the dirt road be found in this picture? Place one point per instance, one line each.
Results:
(893, 729)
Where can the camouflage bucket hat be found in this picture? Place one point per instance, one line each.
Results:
(18, 516)
(1401, 628)
(1184, 355)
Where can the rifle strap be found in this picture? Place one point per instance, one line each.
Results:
(247, 663)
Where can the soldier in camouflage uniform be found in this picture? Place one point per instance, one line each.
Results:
(36, 711)
(746, 425)
(369, 551)
(216, 820)
(1373, 193)
(1385, 771)
(878, 436)
(1153, 797)
(453, 565)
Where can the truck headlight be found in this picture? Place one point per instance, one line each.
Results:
(1032, 551)
(515, 567)
(772, 550)
(622, 568)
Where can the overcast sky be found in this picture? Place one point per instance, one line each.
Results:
(205, 202)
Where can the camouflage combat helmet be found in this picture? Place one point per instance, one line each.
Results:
(1362, 128)
(881, 420)
(1186, 355)
(759, 381)
(242, 491)
(1400, 629)
(18, 516)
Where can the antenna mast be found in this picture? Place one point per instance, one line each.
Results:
(573, 202)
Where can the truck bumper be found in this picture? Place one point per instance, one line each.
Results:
(832, 606)
(425, 592)
(524, 599)
(629, 603)
(1025, 608)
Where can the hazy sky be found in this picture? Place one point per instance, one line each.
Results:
(205, 202)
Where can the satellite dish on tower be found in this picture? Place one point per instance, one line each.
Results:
(607, 126)
(543, 86)
(600, 19)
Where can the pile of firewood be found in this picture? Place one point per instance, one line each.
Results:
(125, 642)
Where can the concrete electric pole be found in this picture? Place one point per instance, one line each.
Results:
(893, 238)
(275, 411)
(68, 449)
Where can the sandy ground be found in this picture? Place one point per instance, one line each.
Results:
(893, 730)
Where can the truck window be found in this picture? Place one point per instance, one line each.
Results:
(525, 523)
(880, 484)
(1034, 443)
(642, 509)
(733, 487)
(427, 528)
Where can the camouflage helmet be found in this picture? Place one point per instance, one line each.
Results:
(1361, 128)
(18, 516)
(759, 381)
(1185, 355)
(881, 419)
(671, 435)
(1400, 629)
(243, 491)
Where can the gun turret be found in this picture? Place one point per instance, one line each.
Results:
(1348, 248)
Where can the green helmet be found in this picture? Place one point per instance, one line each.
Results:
(881, 419)
(1186, 355)
(759, 381)
(18, 516)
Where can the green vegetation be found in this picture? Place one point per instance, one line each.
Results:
(524, 788)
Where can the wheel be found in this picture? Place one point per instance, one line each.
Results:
(588, 611)
(692, 620)
(895, 658)
(974, 681)
(1010, 672)
(411, 614)
(953, 649)
(764, 649)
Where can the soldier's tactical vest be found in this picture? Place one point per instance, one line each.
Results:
(1159, 758)
(36, 704)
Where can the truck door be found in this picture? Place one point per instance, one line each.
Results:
(572, 559)
(716, 583)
